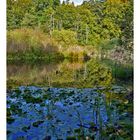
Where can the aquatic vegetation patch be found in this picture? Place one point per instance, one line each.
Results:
(68, 113)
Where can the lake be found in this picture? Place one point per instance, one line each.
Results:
(70, 100)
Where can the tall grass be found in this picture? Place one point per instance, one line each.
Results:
(76, 52)
(22, 40)
(26, 43)
(121, 72)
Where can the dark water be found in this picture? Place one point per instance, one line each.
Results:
(69, 99)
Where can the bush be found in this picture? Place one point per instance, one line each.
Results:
(65, 37)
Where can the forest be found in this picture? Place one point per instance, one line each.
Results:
(95, 28)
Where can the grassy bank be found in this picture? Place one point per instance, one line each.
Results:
(31, 45)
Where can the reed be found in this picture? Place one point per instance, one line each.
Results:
(32, 44)
(25, 40)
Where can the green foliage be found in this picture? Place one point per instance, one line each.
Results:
(108, 44)
(16, 11)
(31, 45)
(104, 24)
(123, 73)
(127, 27)
(65, 37)
(98, 74)
(29, 20)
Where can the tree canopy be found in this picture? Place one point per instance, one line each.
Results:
(92, 22)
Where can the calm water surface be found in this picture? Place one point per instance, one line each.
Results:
(58, 100)
(69, 74)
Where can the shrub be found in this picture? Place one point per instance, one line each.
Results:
(65, 37)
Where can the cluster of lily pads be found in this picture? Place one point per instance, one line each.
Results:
(35, 113)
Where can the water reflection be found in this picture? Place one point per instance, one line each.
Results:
(55, 112)
(65, 74)
(68, 74)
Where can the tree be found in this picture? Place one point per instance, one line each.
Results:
(127, 27)
(16, 11)
(29, 20)
(65, 37)
(56, 3)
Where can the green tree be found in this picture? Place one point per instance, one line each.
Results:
(65, 37)
(30, 19)
(16, 11)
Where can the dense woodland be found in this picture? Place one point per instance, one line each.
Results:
(51, 26)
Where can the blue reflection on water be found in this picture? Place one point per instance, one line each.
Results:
(56, 118)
